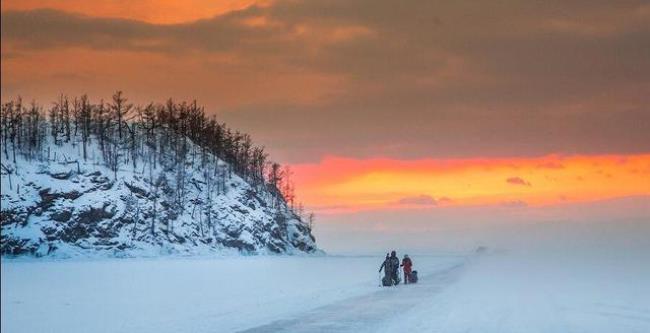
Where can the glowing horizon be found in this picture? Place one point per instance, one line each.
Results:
(337, 183)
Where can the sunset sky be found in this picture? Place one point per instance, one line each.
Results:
(386, 110)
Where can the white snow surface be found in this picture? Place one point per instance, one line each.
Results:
(497, 291)
(515, 292)
(172, 294)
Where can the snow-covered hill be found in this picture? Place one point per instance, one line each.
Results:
(64, 207)
(138, 198)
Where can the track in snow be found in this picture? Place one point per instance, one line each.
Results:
(367, 312)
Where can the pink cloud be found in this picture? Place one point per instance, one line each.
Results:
(517, 181)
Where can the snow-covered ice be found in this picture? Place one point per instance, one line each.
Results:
(222, 294)
(532, 290)
(517, 292)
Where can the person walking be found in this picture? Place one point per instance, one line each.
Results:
(407, 264)
(394, 267)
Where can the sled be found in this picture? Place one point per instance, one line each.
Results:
(413, 278)
(386, 281)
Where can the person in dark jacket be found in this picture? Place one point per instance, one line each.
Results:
(407, 264)
(394, 267)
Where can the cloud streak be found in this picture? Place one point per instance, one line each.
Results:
(46, 29)
(517, 181)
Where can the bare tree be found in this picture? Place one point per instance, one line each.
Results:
(120, 108)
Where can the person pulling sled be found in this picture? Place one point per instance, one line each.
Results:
(394, 265)
(410, 276)
(390, 267)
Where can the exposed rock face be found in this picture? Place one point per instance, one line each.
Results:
(65, 209)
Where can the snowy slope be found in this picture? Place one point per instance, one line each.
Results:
(64, 206)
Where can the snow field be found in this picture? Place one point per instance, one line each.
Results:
(181, 294)
(552, 284)
(523, 292)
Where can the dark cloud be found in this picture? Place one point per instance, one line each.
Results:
(517, 181)
(413, 79)
(47, 28)
(412, 133)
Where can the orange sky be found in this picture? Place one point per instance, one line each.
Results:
(153, 11)
(351, 184)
